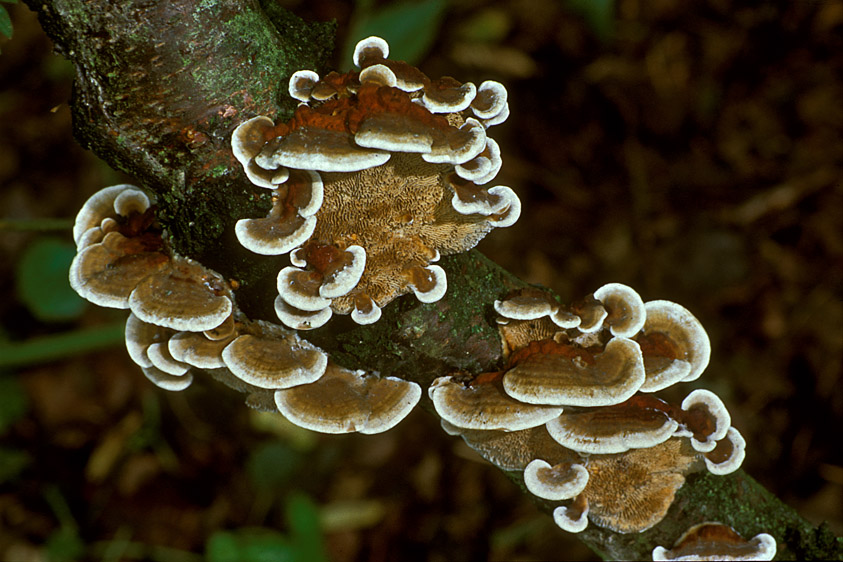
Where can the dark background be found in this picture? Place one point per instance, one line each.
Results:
(692, 150)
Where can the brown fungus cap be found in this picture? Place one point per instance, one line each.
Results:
(140, 335)
(167, 381)
(302, 83)
(559, 482)
(574, 517)
(728, 454)
(638, 423)
(344, 401)
(198, 350)
(299, 319)
(101, 205)
(160, 357)
(706, 417)
(631, 492)
(185, 296)
(384, 160)
(625, 309)
(562, 374)
(490, 100)
(674, 343)
(485, 406)
(716, 541)
(106, 273)
(290, 221)
(514, 450)
(274, 361)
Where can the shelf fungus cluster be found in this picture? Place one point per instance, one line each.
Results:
(573, 406)
(379, 172)
(183, 316)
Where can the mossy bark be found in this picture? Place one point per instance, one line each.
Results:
(159, 88)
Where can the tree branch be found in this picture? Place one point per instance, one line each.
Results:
(160, 86)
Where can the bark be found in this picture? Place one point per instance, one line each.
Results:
(159, 88)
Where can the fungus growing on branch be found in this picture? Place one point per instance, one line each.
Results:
(716, 541)
(559, 482)
(344, 401)
(706, 418)
(484, 405)
(382, 163)
(675, 345)
(558, 373)
(638, 423)
(727, 455)
(619, 453)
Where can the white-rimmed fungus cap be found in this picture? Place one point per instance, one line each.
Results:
(715, 541)
(728, 454)
(559, 482)
(274, 362)
(625, 309)
(638, 423)
(674, 343)
(705, 415)
(485, 406)
(563, 375)
(343, 401)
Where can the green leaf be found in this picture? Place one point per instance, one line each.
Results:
(305, 530)
(5, 23)
(58, 346)
(598, 14)
(271, 466)
(409, 28)
(13, 402)
(250, 545)
(12, 463)
(65, 545)
(41, 279)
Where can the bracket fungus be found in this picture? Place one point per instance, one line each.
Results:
(379, 172)
(675, 345)
(559, 482)
(183, 316)
(716, 541)
(637, 423)
(344, 401)
(615, 454)
(485, 406)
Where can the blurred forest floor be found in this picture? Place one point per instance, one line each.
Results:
(690, 150)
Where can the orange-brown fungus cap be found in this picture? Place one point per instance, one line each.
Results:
(728, 454)
(565, 375)
(640, 422)
(630, 492)
(716, 541)
(706, 417)
(344, 401)
(574, 517)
